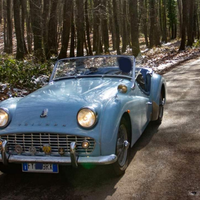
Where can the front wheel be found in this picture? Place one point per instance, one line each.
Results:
(122, 149)
(10, 168)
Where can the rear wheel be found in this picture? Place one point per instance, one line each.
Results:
(161, 110)
(122, 149)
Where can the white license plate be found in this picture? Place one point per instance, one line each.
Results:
(40, 167)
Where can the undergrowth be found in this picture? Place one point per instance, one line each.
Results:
(22, 74)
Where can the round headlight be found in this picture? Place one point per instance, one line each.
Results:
(86, 117)
(4, 117)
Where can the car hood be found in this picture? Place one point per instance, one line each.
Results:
(63, 99)
(73, 91)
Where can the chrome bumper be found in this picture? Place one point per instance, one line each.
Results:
(99, 160)
(74, 160)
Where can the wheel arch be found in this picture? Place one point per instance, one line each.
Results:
(158, 87)
(127, 118)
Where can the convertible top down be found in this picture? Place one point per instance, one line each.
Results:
(92, 111)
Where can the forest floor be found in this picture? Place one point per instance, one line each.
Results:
(161, 59)
(167, 56)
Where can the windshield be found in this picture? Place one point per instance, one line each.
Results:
(94, 66)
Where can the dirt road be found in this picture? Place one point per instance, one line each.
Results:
(165, 162)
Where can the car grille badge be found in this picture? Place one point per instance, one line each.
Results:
(32, 150)
(46, 148)
(18, 149)
(44, 113)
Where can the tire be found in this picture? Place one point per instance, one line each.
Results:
(10, 168)
(122, 149)
(161, 110)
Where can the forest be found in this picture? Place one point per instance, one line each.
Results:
(39, 31)
(63, 28)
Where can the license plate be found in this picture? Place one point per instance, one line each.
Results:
(40, 167)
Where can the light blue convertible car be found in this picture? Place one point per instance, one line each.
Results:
(92, 112)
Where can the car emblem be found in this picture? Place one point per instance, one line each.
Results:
(46, 148)
(44, 113)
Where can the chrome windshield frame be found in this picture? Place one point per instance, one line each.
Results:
(88, 57)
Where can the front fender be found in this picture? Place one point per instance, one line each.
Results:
(157, 84)
(110, 120)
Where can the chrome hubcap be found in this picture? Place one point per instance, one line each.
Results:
(122, 145)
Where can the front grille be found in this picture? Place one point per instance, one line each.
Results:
(38, 140)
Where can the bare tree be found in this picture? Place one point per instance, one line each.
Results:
(1, 11)
(134, 26)
(80, 27)
(8, 25)
(117, 35)
(45, 18)
(154, 34)
(72, 45)
(190, 28)
(18, 29)
(66, 27)
(184, 21)
(52, 30)
(36, 21)
(104, 25)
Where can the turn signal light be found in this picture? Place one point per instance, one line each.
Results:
(85, 144)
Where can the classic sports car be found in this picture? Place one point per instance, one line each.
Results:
(92, 111)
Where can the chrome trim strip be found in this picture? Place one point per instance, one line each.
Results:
(98, 160)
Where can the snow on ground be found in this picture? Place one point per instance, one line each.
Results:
(160, 59)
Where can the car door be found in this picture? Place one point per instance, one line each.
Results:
(143, 82)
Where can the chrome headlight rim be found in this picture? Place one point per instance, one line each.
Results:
(96, 117)
(8, 121)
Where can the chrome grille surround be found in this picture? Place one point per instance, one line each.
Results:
(56, 141)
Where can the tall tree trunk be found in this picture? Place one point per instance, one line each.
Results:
(88, 28)
(112, 24)
(9, 43)
(36, 16)
(117, 35)
(134, 27)
(154, 35)
(96, 27)
(80, 27)
(5, 23)
(45, 17)
(164, 22)
(72, 32)
(184, 22)
(66, 27)
(18, 29)
(190, 28)
(52, 30)
(1, 11)
(28, 27)
(144, 18)
(23, 17)
(105, 37)
(196, 35)
(124, 29)
(180, 11)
